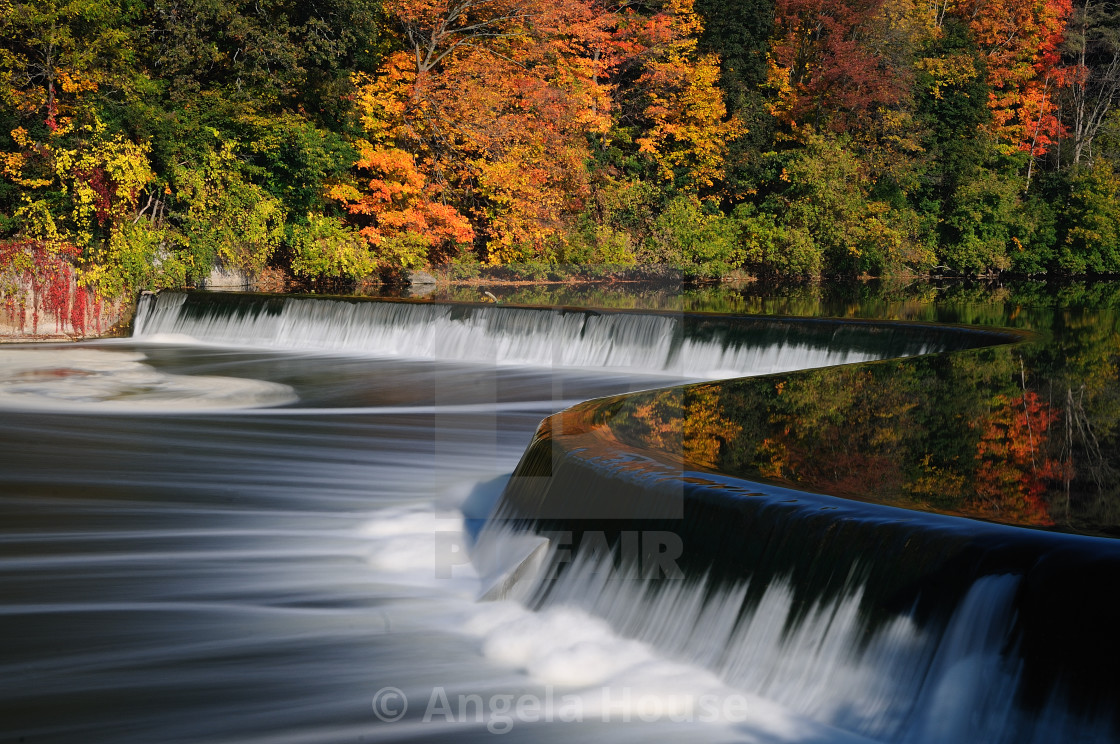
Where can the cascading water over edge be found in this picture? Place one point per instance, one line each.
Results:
(891, 624)
(680, 345)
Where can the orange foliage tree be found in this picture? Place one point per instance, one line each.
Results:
(487, 115)
(673, 95)
(491, 114)
(1020, 41)
(397, 207)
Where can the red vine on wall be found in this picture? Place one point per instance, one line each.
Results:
(36, 278)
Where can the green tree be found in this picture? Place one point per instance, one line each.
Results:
(222, 217)
(1092, 218)
(259, 55)
(824, 220)
(58, 57)
(972, 186)
(703, 242)
(325, 247)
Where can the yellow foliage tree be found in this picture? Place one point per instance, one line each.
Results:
(688, 127)
(490, 110)
(396, 206)
(225, 216)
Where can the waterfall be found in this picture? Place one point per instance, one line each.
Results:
(904, 682)
(896, 625)
(889, 624)
(672, 344)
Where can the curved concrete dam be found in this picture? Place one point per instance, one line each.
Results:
(292, 519)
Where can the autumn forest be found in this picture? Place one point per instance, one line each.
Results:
(146, 141)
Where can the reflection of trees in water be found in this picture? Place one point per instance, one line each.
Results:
(688, 423)
(944, 433)
(1023, 434)
(1013, 462)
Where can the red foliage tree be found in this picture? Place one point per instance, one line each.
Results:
(821, 67)
(1013, 464)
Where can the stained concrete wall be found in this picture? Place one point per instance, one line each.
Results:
(27, 315)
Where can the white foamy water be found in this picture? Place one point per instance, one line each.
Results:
(239, 577)
(628, 342)
(80, 379)
(573, 664)
(898, 683)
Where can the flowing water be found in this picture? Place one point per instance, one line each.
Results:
(250, 523)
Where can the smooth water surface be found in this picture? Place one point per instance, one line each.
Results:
(244, 573)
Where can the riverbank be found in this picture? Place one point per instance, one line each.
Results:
(899, 298)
